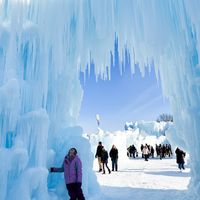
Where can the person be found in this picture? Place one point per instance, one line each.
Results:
(132, 151)
(98, 155)
(163, 151)
(128, 151)
(114, 157)
(146, 152)
(166, 150)
(152, 152)
(104, 160)
(170, 150)
(160, 151)
(157, 150)
(72, 168)
(141, 148)
(180, 155)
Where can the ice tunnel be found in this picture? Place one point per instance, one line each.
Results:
(43, 47)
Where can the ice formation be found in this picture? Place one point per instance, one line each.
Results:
(43, 44)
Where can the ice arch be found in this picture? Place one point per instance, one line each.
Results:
(42, 46)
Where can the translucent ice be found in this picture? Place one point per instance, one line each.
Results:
(44, 44)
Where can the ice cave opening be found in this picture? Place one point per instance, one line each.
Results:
(44, 45)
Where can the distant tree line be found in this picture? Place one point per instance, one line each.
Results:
(165, 118)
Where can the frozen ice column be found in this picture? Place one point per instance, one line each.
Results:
(40, 94)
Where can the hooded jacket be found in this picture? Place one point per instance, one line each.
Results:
(72, 168)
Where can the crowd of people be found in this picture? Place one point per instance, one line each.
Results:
(147, 151)
(132, 151)
(164, 150)
(72, 165)
(102, 156)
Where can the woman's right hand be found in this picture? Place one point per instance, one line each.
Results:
(51, 169)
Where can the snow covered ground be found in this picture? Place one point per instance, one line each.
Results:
(155, 179)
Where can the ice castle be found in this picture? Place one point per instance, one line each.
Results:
(44, 44)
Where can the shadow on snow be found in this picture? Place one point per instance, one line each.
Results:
(117, 193)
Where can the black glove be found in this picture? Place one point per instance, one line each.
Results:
(51, 169)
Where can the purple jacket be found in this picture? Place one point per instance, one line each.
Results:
(72, 170)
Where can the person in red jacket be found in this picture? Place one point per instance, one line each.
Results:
(72, 168)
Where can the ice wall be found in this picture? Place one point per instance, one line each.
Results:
(149, 127)
(40, 97)
(42, 46)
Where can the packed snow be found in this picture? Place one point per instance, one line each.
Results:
(155, 179)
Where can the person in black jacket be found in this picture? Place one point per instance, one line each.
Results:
(132, 151)
(152, 152)
(104, 160)
(98, 155)
(114, 157)
(180, 155)
(141, 148)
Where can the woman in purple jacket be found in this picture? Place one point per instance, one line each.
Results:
(72, 168)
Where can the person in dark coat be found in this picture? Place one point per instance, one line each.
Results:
(114, 157)
(180, 155)
(170, 150)
(152, 152)
(163, 151)
(141, 148)
(157, 150)
(132, 151)
(104, 160)
(160, 151)
(98, 155)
